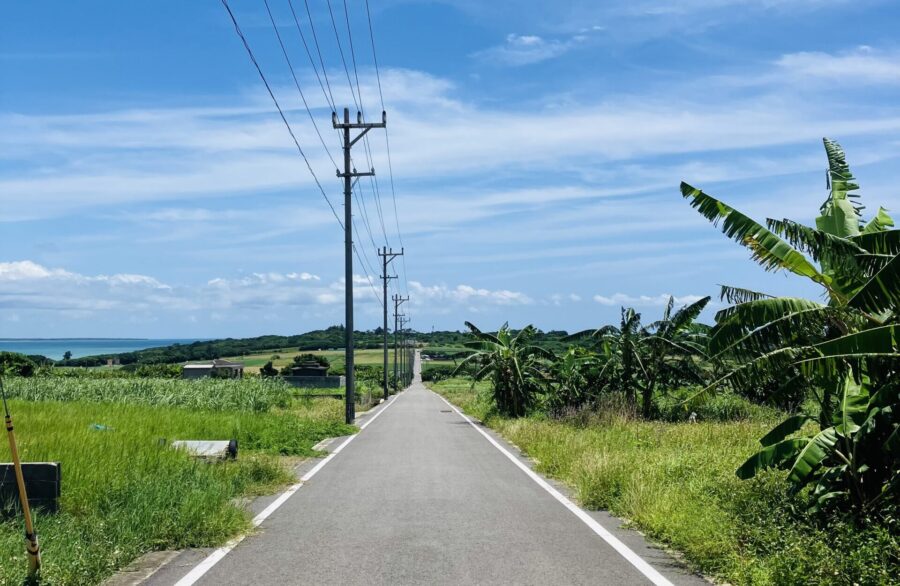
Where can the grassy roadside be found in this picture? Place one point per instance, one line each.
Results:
(676, 483)
(125, 494)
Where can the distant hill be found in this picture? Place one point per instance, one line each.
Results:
(331, 338)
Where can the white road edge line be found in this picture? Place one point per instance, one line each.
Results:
(215, 557)
(623, 550)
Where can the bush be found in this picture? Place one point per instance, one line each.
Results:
(156, 370)
(724, 406)
(16, 364)
(437, 372)
(268, 370)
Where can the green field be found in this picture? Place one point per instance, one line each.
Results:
(676, 483)
(125, 493)
(253, 362)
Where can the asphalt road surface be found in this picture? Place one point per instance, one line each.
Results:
(422, 497)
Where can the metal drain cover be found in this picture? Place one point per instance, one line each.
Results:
(446, 411)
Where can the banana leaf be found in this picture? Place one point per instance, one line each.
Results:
(811, 457)
(771, 456)
(882, 292)
(768, 249)
(787, 427)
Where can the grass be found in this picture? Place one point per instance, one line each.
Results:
(249, 394)
(125, 493)
(253, 362)
(676, 482)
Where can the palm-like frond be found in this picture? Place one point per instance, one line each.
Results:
(879, 223)
(683, 317)
(816, 243)
(886, 242)
(770, 251)
(740, 295)
(761, 326)
(882, 292)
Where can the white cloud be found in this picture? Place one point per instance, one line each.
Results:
(528, 49)
(622, 299)
(861, 65)
(116, 159)
(27, 285)
(465, 295)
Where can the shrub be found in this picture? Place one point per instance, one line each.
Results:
(16, 364)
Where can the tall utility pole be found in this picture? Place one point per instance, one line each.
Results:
(398, 301)
(348, 175)
(386, 257)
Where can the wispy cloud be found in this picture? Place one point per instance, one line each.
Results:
(528, 49)
(860, 65)
(622, 299)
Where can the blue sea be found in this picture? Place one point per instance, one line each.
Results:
(56, 347)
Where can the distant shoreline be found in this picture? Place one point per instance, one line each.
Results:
(85, 339)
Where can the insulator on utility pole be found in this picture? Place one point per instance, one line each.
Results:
(349, 175)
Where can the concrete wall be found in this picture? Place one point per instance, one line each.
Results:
(196, 372)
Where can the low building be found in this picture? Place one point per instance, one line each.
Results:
(215, 368)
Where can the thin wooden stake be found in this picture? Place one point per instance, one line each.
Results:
(31, 541)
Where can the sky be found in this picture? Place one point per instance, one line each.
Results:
(148, 187)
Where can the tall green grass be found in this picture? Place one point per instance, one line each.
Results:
(125, 493)
(676, 482)
(249, 394)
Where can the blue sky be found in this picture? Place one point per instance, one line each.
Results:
(148, 188)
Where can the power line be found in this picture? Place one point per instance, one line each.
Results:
(387, 142)
(374, 54)
(366, 270)
(328, 98)
(361, 106)
(365, 214)
(237, 29)
(343, 59)
(297, 83)
(353, 57)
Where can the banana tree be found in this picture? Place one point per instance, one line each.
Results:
(638, 358)
(854, 459)
(854, 262)
(514, 365)
(832, 348)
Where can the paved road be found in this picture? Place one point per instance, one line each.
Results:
(421, 497)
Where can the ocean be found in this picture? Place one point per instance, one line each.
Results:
(56, 347)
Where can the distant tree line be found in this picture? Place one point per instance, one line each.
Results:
(328, 339)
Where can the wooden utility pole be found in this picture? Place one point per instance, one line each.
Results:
(386, 257)
(348, 175)
(398, 301)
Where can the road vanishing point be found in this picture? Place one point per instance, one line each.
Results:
(422, 495)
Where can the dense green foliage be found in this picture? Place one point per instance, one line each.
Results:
(634, 358)
(511, 362)
(17, 364)
(844, 354)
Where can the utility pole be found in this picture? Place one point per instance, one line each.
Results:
(348, 175)
(398, 301)
(386, 257)
(404, 357)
